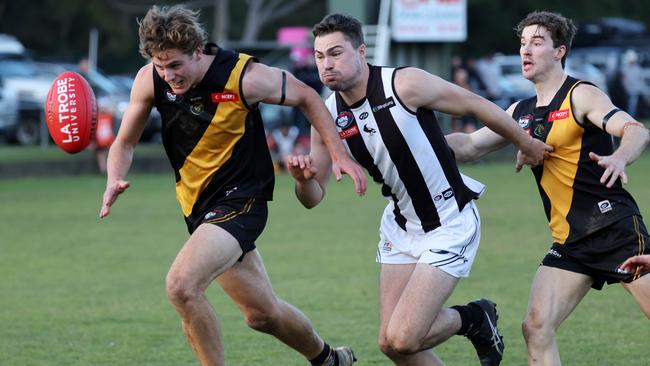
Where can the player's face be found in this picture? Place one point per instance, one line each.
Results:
(538, 55)
(338, 62)
(178, 69)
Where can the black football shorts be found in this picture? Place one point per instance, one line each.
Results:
(600, 254)
(243, 218)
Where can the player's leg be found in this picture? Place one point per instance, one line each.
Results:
(393, 279)
(417, 322)
(209, 252)
(249, 286)
(640, 290)
(554, 295)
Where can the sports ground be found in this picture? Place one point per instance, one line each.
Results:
(75, 290)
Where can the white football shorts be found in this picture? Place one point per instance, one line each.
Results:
(451, 247)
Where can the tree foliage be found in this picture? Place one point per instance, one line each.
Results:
(58, 29)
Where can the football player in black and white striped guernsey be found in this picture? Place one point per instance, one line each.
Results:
(430, 230)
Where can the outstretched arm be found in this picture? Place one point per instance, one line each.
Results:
(264, 84)
(470, 147)
(120, 155)
(418, 88)
(592, 105)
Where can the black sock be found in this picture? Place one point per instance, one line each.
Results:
(471, 318)
(327, 357)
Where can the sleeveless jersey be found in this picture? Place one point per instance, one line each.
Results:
(405, 152)
(575, 202)
(214, 140)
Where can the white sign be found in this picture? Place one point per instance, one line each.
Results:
(429, 20)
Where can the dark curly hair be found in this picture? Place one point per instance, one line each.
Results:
(561, 28)
(174, 27)
(349, 26)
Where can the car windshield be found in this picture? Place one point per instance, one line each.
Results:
(16, 65)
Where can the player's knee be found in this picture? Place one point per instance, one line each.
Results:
(179, 290)
(534, 327)
(262, 320)
(384, 346)
(401, 342)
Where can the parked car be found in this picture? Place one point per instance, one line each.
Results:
(8, 111)
(21, 75)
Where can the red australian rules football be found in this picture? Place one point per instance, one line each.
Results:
(71, 112)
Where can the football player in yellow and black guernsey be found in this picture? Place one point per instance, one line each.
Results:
(214, 138)
(595, 223)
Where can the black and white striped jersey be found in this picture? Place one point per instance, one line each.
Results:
(405, 152)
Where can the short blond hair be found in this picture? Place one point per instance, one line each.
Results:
(174, 27)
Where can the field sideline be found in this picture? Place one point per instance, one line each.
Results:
(77, 291)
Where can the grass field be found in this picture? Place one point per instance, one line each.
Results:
(77, 291)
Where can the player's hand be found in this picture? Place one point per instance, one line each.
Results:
(113, 190)
(532, 154)
(614, 168)
(300, 167)
(631, 264)
(349, 167)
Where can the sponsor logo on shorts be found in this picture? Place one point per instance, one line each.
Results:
(228, 192)
(621, 271)
(604, 206)
(387, 247)
(554, 253)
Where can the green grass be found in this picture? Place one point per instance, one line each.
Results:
(77, 291)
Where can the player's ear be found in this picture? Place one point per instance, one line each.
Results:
(560, 52)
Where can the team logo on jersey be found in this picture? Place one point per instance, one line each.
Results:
(197, 108)
(345, 119)
(539, 130)
(224, 97)
(555, 115)
(524, 121)
(171, 96)
(369, 130)
(363, 116)
(604, 206)
(390, 102)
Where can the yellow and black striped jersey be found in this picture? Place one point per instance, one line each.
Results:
(575, 202)
(214, 140)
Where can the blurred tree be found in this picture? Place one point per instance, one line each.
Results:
(58, 29)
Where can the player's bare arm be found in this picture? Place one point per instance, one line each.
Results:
(311, 172)
(264, 84)
(418, 88)
(120, 155)
(469, 147)
(591, 105)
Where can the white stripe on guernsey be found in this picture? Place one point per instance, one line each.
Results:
(424, 155)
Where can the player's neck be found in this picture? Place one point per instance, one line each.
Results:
(358, 90)
(547, 85)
